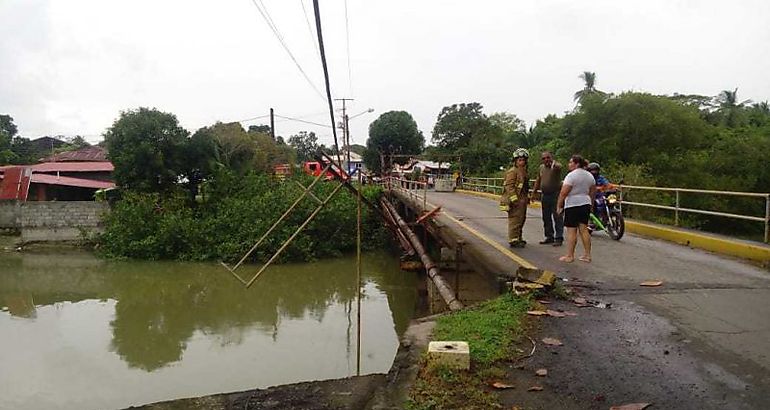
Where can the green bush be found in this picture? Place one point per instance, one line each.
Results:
(233, 216)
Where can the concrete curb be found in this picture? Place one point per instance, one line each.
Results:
(722, 246)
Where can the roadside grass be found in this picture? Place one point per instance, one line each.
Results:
(490, 329)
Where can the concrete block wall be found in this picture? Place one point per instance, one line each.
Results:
(52, 221)
(10, 212)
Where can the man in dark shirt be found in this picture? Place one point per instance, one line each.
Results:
(549, 180)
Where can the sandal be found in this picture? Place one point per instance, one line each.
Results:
(586, 259)
(567, 259)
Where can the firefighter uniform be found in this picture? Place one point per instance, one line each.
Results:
(515, 198)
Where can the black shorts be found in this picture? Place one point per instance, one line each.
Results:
(573, 216)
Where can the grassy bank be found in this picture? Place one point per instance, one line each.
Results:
(491, 329)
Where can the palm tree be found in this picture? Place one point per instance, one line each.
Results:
(590, 86)
(730, 107)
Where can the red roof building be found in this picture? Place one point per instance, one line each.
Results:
(74, 177)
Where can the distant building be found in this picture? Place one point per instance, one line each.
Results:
(423, 167)
(67, 176)
(356, 162)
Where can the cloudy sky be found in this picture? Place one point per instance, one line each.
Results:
(69, 67)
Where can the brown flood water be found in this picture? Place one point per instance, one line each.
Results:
(78, 332)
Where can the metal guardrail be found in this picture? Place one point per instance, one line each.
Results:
(415, 189)
(495, 185)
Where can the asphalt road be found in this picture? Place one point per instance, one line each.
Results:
(701, 340)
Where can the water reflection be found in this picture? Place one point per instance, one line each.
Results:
(171, 320)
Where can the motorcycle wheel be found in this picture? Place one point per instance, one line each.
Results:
(618, 226)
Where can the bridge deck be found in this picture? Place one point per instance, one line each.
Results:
(720, 302)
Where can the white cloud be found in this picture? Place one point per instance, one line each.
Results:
(71, 67)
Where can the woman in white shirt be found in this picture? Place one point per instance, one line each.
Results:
(575, 200)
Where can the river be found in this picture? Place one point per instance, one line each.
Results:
(79, 332)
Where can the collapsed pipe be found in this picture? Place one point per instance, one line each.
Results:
(443, 287)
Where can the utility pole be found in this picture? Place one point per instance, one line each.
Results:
(272, 124)
(345, 131)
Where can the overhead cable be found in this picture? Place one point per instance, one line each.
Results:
(303, 121)
(309, 27)
(278, 35)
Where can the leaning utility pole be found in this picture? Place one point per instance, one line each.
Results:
(345, 131)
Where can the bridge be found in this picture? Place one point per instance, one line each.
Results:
(704, 332)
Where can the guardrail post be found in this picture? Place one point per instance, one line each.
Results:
(676, 212)
(767, 218)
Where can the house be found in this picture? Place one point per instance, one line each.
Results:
(67, 176)
(356, 162)
(423, 167)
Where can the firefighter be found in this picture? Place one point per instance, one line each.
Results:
(516, 197)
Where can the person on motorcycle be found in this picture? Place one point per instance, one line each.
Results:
(595, 170)
(602, 183)
(516, 197)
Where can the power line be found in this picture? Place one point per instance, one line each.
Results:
(317, 10)
(278, 35)
(347, 44)
(303, 121)
(309, 27)
(254, 118)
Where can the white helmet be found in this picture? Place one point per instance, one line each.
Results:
(520, 153)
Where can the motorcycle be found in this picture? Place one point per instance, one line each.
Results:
(608, 215)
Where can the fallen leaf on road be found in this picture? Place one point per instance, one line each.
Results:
(631, 406)
(537, 312)
(580, 301)
(541, 372)
(539, 388)
(554, 313)
(501, 385)
(544, 302)
(552, 341)
(568, 313)
(651, 283)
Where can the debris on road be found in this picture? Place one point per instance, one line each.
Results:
(541, 372)
(550, 341)
(583, 302)
(631, 406)
(544, 302)
(554, 313)
(538, 388)
(537, 312)
(502, 386)
(651, 283)
(543, 277)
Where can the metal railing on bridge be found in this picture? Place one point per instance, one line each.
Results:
(418, 190)
(495, 185)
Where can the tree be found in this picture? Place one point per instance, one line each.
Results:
(731, 109)
(589, 88)
(458, 124)
(147, 147)
(305, 144)
(235, 148)
(394, 132)
(639, 128)
(8, 131)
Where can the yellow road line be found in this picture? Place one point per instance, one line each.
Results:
(505, 251)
